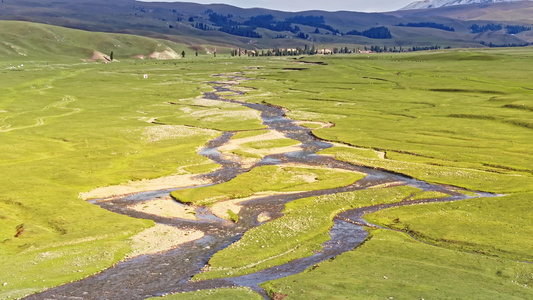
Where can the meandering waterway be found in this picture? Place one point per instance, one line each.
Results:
(171, 271)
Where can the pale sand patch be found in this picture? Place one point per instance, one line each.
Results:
(168, 132)
(173, 181)
(265, 152)
(215, 115)
(99, 56)
(220, 209)
(150, 120)
(165, 207)
(235, 144)
(205, 102)
(186, 109)
(387, 185)
(381, 154)
(322, 124)
(318, 167)
(307, 115)
(167, 54)
(263, 217)
(161, 238)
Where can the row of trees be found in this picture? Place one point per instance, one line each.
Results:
(313, 21)
(241, 31)
(492, 45)
(428, 25)
(340, 50)
(373, 33)
(248, 27)
(514, 29)
(511, 29)
(267, 21)
(337, 50)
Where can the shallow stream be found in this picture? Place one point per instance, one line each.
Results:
(169, 272)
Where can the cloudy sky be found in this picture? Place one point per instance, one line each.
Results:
(328, 5)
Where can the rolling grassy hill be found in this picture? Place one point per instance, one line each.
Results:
(23, 41)
(49, 236)
(506, 12)
(193, 24)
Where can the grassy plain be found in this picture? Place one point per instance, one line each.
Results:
(67, 128)
(456, 117)
(24, 41)
(222, 294)
(268, 179)
(489, 226)
(460, 117)
(301, 231)
(391, 265)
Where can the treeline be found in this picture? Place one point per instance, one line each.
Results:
(221, 20)
(373, 33)
(428, 25)
(267, 21)
(247, 28)
(475, 28)
(511, 29)
(426, 48)
(302, 35)
(313, 21)
(514, 29)
(306, 50)
(202, 26)
(492, 45)
(385, 49)
(231, 27)
(337, 50)
(241, 31)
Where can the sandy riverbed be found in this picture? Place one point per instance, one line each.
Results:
(173, 181)
(165, 207)
(161, 238)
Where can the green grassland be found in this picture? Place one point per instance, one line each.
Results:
(301, 231)
(177, 21)
(272, 144)
(71, 127)
(456, 117)
(492, 226)
(436, 114)
(23, 41)
(268, 179)
(226, 293)
(392, 265)
(259, 148)
(461, 117)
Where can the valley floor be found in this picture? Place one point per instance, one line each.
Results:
(460, 119)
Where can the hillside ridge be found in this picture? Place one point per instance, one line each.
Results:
(205, 28)
(426, 4)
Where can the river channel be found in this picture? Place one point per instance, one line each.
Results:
(171, 271)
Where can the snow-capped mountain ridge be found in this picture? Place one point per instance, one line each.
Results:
(443, 3)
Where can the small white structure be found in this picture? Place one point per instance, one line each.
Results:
(145, 76)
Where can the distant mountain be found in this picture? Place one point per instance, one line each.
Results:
(222, 28)
(425, 4)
